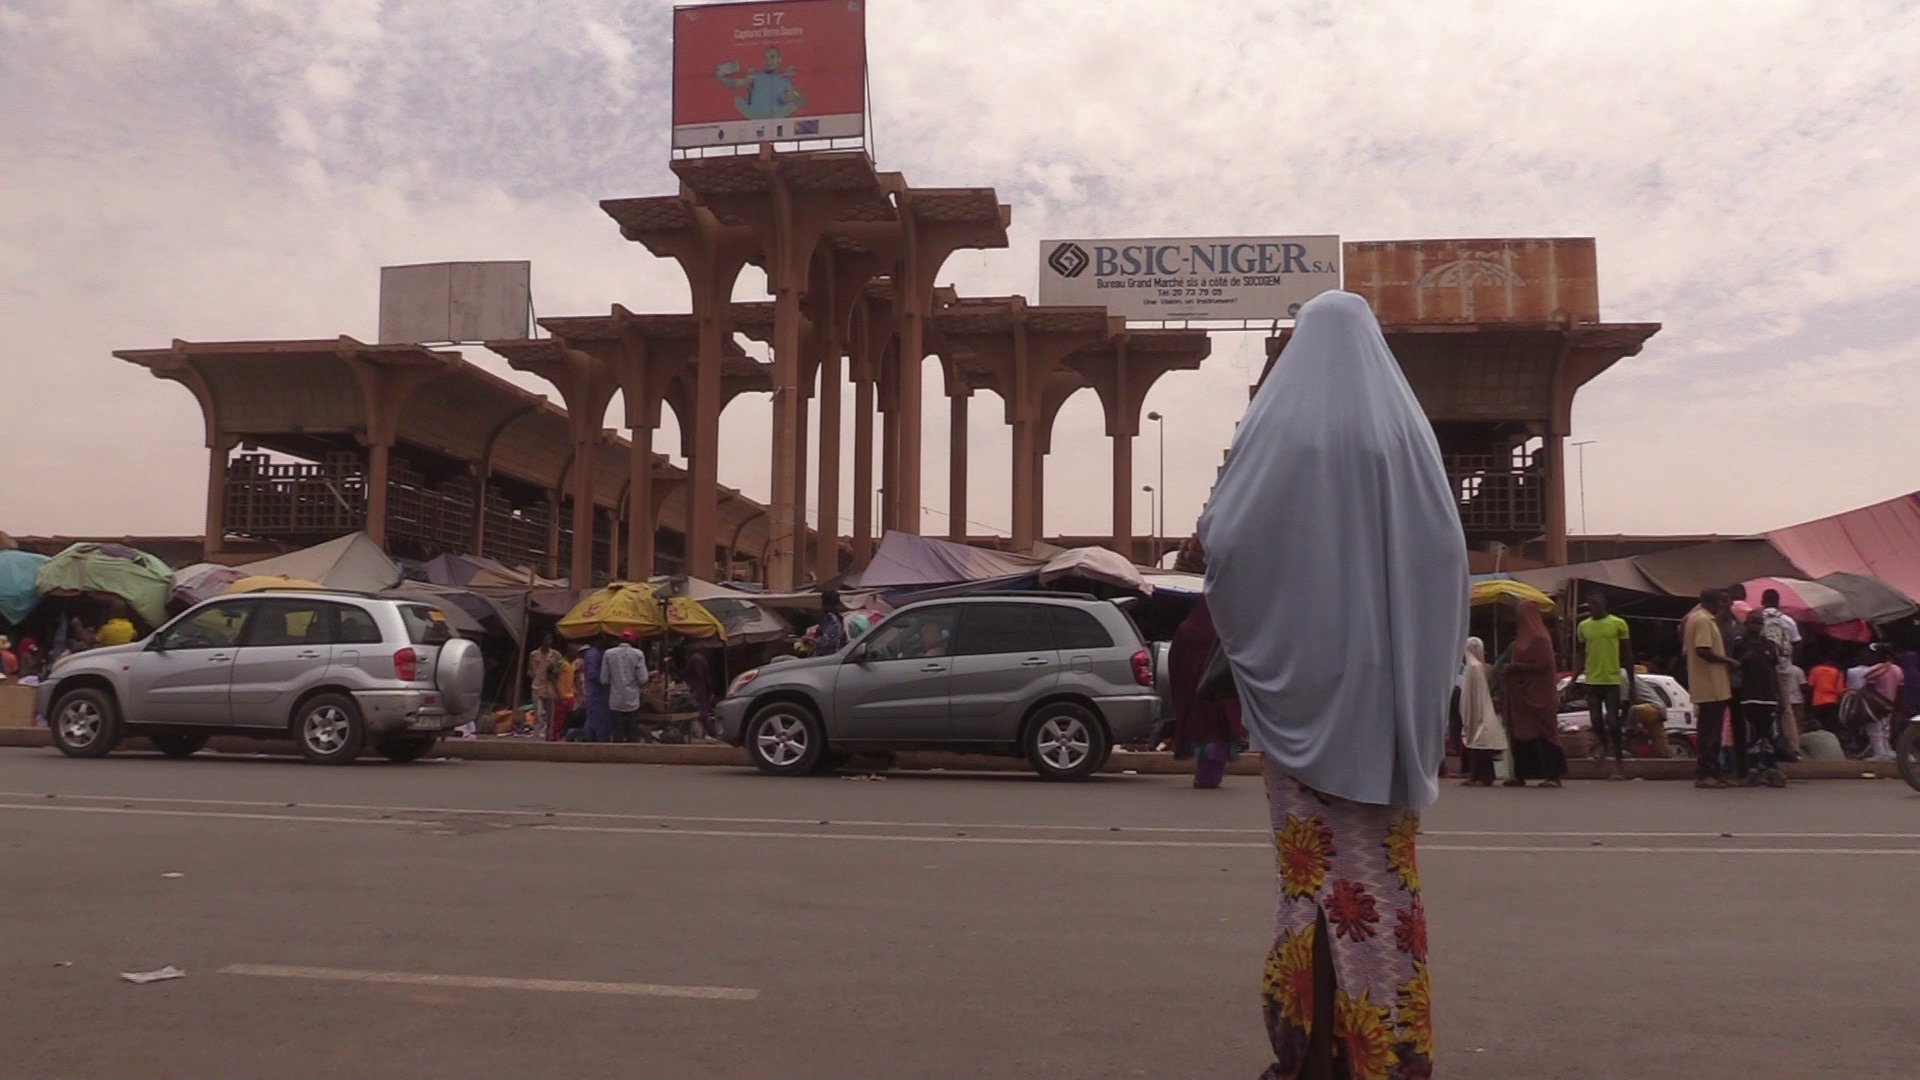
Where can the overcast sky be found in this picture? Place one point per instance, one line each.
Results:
(215, 170)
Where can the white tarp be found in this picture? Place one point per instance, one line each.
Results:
(351, 563)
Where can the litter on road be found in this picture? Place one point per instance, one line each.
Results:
(141, 978)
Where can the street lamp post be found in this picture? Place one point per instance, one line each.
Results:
(1153, 509)
(1586, 541)
(1160, 520)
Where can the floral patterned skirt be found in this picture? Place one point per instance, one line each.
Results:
(1346, 870)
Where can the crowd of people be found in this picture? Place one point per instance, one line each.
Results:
(598, 690)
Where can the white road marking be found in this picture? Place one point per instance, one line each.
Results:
(488, 982)
(582, 815)
(1009, 841)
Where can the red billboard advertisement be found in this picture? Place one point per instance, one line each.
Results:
(765, 72)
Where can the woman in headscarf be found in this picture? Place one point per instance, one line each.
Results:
(1337, 579)
(1481, 734)
(1533, 702)
(1209, 732)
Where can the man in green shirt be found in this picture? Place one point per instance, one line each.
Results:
(1603, 638)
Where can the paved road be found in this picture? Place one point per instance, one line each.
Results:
(457, 919)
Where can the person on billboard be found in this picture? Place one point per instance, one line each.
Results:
(769, 93)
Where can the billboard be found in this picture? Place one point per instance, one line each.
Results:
(764, 72)
(1211, 277)
(1477, 281)
(470, 301)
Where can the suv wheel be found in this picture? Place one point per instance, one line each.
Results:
(785, 739)
(86, 723)
(406, 748)
(1065, 742)
(179, 746)
(328, 729)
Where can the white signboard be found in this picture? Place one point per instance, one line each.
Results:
(1212, 277)
(455, 302)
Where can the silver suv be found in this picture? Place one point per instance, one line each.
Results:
(1058, 679)
(335, 671)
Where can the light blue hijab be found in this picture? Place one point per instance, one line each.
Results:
(1336, 569)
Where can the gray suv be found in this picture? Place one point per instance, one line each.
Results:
(336, 672)
(1057, 679)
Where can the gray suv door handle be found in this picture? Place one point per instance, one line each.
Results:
(929, 668)
(1034, 661)
(218, 658)
(307, 654)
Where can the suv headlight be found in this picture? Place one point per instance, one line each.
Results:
(741, 681)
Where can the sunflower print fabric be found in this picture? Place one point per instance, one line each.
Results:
(1353, 866)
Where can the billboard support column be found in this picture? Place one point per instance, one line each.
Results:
(553, 532)
(1026, 463)
(826, 556)
(862, 363)
(803, 421)
(957, 468)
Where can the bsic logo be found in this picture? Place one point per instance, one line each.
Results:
(1068, 260)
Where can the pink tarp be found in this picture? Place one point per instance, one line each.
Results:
(1882, 540)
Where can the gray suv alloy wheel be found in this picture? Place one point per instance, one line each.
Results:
(85, 723)
(1066, 742)
(784, 739)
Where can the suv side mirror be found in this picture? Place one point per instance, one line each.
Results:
(857, 654)
(157, 643)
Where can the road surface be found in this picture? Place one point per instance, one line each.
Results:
(458, 919)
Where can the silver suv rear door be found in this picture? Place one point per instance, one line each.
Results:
(284, 652)
(1005, 661)
(183, 675)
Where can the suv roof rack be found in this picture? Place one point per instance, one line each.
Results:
(1025, 594)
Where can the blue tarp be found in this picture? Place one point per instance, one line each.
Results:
(18, 570)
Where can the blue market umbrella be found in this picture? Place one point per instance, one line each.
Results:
(18, 593)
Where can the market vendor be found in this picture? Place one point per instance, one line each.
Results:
(118, 627)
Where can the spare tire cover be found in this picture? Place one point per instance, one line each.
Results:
(460, 674)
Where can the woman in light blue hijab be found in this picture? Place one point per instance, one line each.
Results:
(1337, 578)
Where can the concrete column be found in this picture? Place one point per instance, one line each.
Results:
(826, 558)
(889, 472)
(957, 470)
(1555, 493)
(703, 466)
(1025, 473)
(553, 533)
(913, 355)
(379, 470)
(641, 511)
(784, 520)
(219, 449)
(862, 473)
(1039, 496)
(580, 567)
(800, 563)
(1123, 495)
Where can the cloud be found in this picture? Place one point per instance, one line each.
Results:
(220, 169)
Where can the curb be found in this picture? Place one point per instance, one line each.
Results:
(491, 748)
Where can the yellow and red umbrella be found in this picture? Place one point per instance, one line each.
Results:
(623, 605)
(1494, 590)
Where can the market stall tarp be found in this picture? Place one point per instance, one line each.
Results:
(350, 563)
(203, 581)
(1612, 573)
(745, 621)
(1688, 570)
(624, 605)
(1882, 540)
(1177, 582)
(450, 569)
(140, 579)
(906, 561)
(19, 571)
(1871, 598)
(1095, 564)
(468, 611)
